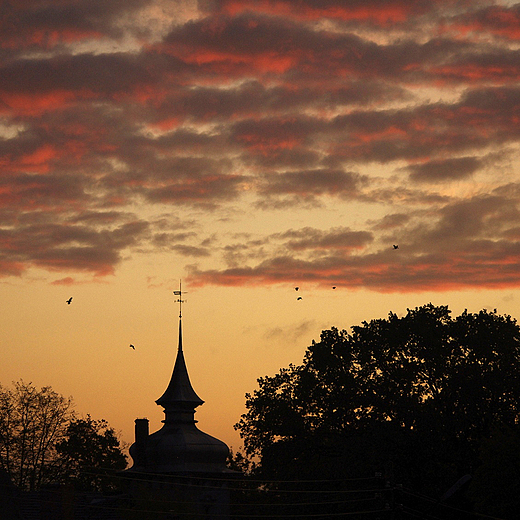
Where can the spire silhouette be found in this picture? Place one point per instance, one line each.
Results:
(179, 398)
(178, 446)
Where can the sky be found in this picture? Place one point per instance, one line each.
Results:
(245, 147)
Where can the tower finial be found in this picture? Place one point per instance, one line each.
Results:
(179, 293)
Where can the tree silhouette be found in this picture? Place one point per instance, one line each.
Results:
(415, 396)
(89, 453)
(42, 441)
(32, 421)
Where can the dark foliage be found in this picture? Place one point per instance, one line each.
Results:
(43, 443)
(32, 421)
(90, 453)
(424, 399)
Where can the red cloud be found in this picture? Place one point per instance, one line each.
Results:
(39, 159)
(35, 103)
(204, 190)
(392, 132)
(497, 20)
(46, 38)
(262, 62)
(365, 11)
(375, 272)
(64, 281)
(500, 73)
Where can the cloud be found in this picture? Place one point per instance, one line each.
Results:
(36, 86)
(38, 192)
(205, 189)
(46, 24)
(307, 187)
(469, 243)
(400, 118)
(68, 280)
(498, 20)
(369, 11)
(336, 238)
(444, 170)
(63, 247)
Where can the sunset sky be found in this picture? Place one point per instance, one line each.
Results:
(246, 148)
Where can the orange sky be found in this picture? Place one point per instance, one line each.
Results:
(246, 148)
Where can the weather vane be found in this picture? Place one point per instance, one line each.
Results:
(179, 293)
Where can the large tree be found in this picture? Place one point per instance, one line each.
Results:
(416, 396)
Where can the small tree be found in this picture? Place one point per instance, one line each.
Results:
(32, 421)
(90, 452)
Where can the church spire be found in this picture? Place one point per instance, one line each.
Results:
(179, 399)
(178, 446)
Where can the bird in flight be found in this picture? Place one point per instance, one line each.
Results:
(131, 346)
(396, 247)
(299, 298)
(296, 288)
(333, 286)
(69, 300)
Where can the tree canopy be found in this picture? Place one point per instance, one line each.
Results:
(89, 451)
(419, 396)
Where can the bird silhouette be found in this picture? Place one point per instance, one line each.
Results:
(299, 298)
(396, 247)
(69, 300)
(296, 288)
(131, 346)
(333, 286)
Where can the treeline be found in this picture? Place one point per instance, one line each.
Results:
(43, 441)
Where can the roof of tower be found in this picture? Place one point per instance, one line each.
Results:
(179, 391)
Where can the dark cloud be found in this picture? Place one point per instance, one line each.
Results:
(444, 170)
(488, 264)
(36, 86)
(481, 117)
(204, 190)
(32, 192)
(334, 239)
(311, 183)
(48, 23)
(266, 46)
(392, 221)
(193, 251)
(498, 20)
(63, 247)
(252, 99)
(481, 217)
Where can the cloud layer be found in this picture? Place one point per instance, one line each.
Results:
(116, 117)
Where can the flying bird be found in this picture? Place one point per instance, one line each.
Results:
(396, 247)
(69, 300)
(131, 346)
(296, 288)
(333, 286)
(299, 298)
